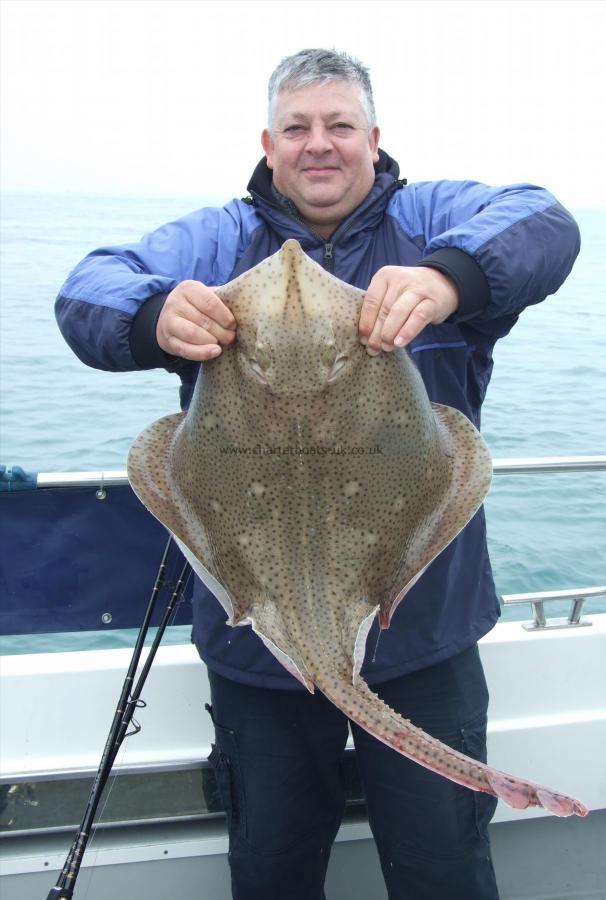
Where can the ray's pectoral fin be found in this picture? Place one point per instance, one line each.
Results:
(471, 471)
(468, 481)
(149, 468)
(151, 475)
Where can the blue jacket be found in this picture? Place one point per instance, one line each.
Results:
(505, 248)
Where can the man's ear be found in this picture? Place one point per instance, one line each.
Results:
(268, 147)
(374, 143)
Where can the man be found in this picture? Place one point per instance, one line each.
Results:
(447, 267)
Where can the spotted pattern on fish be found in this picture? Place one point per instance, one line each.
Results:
(311, 484)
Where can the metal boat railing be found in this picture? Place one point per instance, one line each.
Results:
(538, 599)
(515, 466)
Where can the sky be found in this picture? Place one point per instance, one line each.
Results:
(156, 98)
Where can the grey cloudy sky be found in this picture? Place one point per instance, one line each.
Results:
(155, 97)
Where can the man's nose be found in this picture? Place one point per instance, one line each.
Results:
(318, 139)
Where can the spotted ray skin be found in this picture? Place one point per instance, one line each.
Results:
(311, 484)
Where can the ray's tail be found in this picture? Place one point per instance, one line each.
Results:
(367, 710)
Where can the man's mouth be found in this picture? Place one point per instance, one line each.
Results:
(320, 170)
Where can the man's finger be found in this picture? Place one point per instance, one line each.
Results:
(423, 314)
(193, 316)
(194, 352)
(395, 308)
(400, 312)
(200, 329)
(209, 304)
(373, 300)
(188, 341)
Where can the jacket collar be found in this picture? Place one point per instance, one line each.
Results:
(282, 215)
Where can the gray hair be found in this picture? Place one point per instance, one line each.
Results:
(318, 67)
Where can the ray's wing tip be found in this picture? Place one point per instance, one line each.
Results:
(157, 436)
(148, 467)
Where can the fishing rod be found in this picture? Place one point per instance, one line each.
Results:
(123, 716)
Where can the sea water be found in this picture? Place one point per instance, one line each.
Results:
(546, 397)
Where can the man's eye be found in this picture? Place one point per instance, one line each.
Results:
(293, 129)
(342, 126)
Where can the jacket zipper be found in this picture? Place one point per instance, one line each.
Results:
(328, 257)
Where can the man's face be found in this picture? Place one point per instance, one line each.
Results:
(322, 152)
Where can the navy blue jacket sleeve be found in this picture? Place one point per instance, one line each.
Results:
(103, 296)
(504, 247)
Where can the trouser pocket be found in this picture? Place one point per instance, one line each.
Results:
(224, 760)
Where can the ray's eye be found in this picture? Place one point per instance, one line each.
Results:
(328, 354)
(332, 358)
(260, 361)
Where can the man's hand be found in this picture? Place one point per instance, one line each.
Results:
(400, 302)
(194, 322)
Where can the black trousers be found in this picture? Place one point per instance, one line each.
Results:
(278, 756)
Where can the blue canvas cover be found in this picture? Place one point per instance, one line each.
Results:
(67, 558)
